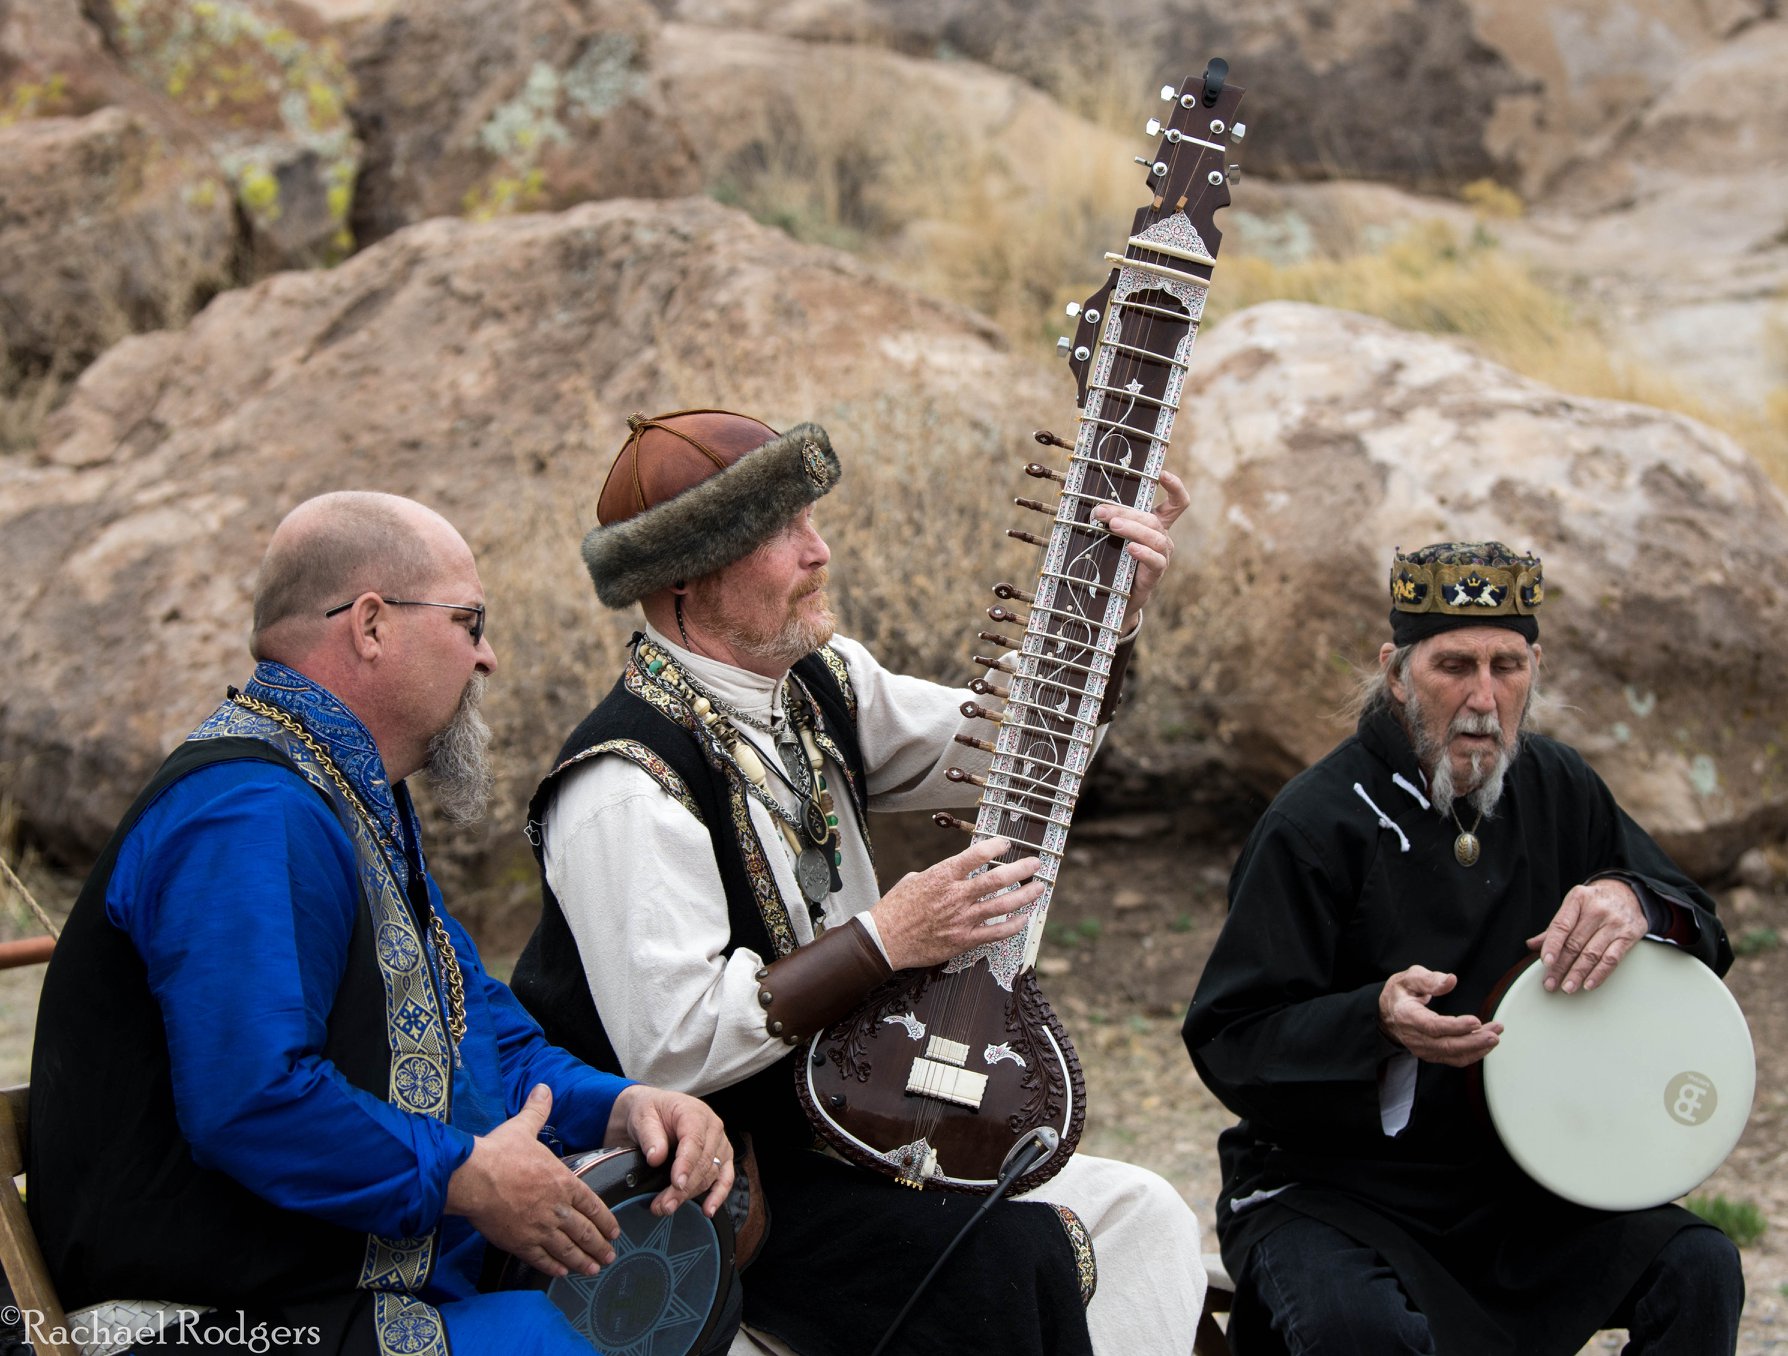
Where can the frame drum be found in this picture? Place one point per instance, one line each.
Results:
(1627, 1095)
(671, 1290)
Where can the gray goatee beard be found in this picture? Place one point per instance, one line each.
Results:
(1488, 768)
(458, 767)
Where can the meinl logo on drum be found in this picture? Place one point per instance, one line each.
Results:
(1690, 1098)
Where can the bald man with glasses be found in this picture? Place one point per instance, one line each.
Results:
(276, 1098)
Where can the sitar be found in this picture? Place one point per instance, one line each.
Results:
(944, 1072)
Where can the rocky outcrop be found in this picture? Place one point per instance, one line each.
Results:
(266, 87)
(483, 110)
(153, 152)
(1677, 226)
(1322, 440)
(106, 228)
(486, 369)
(1430, 94)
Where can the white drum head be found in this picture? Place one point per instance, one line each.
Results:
(1630, 1094)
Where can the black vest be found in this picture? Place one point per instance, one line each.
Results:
(549, 977)
(118, 1204)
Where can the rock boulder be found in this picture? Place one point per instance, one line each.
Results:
(1429, 94)
(486, 369)
(1321, 440)
(107, 228)
(485, 110)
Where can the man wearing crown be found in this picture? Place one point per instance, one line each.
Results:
(1367, 1205)
(711, 899)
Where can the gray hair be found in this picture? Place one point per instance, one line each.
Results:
(333, 548)
(1373, 691)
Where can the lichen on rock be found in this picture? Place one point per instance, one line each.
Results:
(272, 91)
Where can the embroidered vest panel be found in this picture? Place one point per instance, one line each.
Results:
(635, 722)
(119, 1205)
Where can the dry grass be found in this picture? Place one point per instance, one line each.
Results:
(1431, 279)
(954, 217)
(998, 205)
(26, 399)
(53, 893)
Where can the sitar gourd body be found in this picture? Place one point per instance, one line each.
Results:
(942, 1071)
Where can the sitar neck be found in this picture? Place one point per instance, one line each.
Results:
(1130, 353)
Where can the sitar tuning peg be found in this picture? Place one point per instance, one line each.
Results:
(974, 743)
(1049, 439)
(997, 664)
(1025, 537)
(1003, 614)
(976, 711)
(1010, 591)
(1036, 505)
(981, 687)
(956, 774)
(995, 638)
(1039, 471)
(950, 821)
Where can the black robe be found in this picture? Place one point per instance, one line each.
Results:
(1325, 905)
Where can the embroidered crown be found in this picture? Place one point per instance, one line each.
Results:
(1454, 584)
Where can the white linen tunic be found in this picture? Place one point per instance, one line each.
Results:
(635, 876)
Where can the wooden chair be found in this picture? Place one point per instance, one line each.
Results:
(1219, 1294)
(23, 1260)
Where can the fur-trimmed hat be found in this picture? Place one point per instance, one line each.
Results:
(1464, 583)
(695, 490)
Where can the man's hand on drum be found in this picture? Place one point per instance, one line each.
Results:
(655, 1119)
(1405, 1017)
(521, 1197)
(944, 910)
(1147, 536)
(1595, 926)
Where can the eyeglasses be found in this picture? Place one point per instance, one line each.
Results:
(476, 630)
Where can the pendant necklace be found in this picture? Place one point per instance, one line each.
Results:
(811, 832)
(1466, 846)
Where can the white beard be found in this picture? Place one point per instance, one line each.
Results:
(458, 768)
(1488, 768)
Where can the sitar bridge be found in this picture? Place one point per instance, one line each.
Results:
(940, 1073)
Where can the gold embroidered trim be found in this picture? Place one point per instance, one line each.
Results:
(407, 1327)
(770, 904)
(648, 762)
(835, 665)
(1085, 1264)
(421, 1063)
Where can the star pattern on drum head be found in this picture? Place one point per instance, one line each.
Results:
(675, 1324)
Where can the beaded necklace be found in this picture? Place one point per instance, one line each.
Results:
(812, 833)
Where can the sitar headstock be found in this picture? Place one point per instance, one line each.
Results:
(1189, 176)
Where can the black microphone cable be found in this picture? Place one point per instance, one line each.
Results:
(1038, 1145)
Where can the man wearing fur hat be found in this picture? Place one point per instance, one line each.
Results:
(1366, 1204)
(680, 862)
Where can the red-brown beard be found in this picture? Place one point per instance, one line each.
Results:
(798, 636)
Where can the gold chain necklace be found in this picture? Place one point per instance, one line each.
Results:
(456, 991)
(1466, 846)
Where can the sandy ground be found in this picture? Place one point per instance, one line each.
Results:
(1134, 919)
